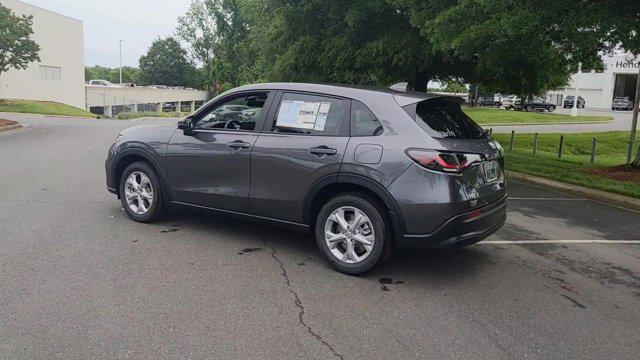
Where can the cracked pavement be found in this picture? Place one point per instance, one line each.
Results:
(81, 280)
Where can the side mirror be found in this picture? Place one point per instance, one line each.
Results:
(187, 126)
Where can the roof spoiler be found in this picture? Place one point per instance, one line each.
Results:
(401, 86)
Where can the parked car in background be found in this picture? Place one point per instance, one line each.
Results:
(485, 101)
(509, 102)
(497, 100)
(362, 169)
(622, 103)
(570, 100)
(99, 82)
(537, 103)
(169, 107)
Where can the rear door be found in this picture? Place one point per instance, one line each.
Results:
(303, 140)
(212, 168)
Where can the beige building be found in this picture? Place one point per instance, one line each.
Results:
(600, 88)
(59, 76)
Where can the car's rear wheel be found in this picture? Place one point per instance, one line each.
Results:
(529, 108)
(551, 108)
(140, 192)
(353, 233)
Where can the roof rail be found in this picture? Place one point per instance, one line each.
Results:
(402, 86)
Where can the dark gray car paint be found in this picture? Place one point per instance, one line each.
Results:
(205, 169)
(277, 176)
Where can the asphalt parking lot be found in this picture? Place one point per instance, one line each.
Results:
(81, 280)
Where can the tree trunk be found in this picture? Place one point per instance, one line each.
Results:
(420, 81)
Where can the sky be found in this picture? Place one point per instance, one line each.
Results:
(137, 22)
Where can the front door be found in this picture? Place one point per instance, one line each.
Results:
(303, 141)
(212, 167)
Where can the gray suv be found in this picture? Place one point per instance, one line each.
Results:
(363, 169)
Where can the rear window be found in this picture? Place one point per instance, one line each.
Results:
(445, 120)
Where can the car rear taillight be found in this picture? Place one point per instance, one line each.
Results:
(450, 162)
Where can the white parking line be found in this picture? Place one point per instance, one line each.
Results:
(520, 242)
(546, 198)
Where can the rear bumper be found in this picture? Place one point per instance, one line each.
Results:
(461, 230)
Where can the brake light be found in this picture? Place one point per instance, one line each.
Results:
(443, 161)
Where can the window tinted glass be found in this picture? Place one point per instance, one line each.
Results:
(239, 113)
(363, 122)
(445, 119)
(308, 114)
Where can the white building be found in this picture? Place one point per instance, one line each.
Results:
(59, 76)
(599, 88)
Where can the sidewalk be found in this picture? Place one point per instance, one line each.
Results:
(621, 122)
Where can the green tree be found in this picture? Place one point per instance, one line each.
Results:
(197, 28)
(360, 41)
(129, 74)
(166, 63)
(455, 86)
(17, 49)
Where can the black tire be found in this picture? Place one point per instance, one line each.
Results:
(528, 108)
(383, 238)
(551, 108)
(157, 209)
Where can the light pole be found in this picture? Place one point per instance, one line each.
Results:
(574, 110)
(634, 119)
(121, 60)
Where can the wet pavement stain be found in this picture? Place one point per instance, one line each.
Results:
(388, 281)
(603, 272)
(249, 250)
(170, 230)
(305, 261)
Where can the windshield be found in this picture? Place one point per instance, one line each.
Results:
(445, 119)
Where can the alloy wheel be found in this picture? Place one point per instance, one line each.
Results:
(138, 192)
(349, 234)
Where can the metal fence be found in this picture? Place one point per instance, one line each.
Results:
(561, 146)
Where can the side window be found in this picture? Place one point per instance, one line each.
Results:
(308, 114)
(238, 113)
(363, 122)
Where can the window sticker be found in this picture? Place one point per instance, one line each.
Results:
(321, 119)
(303, 114)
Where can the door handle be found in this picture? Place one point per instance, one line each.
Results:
(239, 144)
(323, 150)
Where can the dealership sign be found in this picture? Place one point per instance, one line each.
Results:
(623, 64)
(629, 64)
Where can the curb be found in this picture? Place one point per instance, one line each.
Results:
(550, 123)
(10, 127)
(48, 115)
(591, 194)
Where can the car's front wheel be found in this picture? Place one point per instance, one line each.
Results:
(140, 192)
(353, 233)
(551, 108)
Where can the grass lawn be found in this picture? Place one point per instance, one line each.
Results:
(484, 116)
(41, 107)
(611, 150)
(135, 115)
